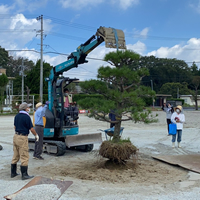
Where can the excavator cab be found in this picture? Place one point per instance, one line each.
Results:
(66, 114)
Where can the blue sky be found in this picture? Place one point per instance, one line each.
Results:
(163, 28)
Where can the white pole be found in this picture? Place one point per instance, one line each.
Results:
(22, 80)
(41, 62)
(41, 59)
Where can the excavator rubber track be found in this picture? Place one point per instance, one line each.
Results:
(58, 148)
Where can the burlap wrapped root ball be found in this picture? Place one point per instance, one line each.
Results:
(117, 152)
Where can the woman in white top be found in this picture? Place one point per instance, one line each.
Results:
(178, 118)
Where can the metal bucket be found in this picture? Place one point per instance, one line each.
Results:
(83, 139)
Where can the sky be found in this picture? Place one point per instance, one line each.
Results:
(162, 28)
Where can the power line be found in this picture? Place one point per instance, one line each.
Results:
(68, 55)
(17, 16)
(71, 24)
(128, 34)
(91, 28)
(66, 36)
(81, 38)
(18, 30)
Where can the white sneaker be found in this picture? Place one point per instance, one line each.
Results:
(179, 145)
(173, 144)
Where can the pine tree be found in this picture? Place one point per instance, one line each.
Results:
(121, 90)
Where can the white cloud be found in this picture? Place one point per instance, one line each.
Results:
(18, 31)
(125, 4)
(31, 6)
(141, 34)
(31, 55)
(19, 21)
(77, 16)
(79, 4)
(144, 32)
(4, 9)
(84, 71)
(196, 6)
(138, 47)
(89, 70)
(188, 52)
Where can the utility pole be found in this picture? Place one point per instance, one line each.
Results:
(152, 90)
(41, 59)
(177, 93)
(22, 80)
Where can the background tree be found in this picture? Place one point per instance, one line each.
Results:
(3, 58)
(17, 85)
(175, 89)
(122, 91)
(163, 70)
(14, 66)
(3, 82)
(196, 83)
(33, 78)
(194, 69)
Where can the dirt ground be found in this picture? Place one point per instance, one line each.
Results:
(95, 178)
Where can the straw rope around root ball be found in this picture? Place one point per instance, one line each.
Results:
(117, 152)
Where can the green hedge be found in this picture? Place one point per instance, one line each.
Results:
(173, 99)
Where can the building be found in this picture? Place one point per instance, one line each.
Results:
(188, 99)
(161, 98)
(2, 71)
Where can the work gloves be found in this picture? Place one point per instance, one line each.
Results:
(37, 138)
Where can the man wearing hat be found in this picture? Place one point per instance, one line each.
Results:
(178, 118)
(22, 125)
(39, 128)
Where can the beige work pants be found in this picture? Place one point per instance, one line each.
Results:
(20, 148)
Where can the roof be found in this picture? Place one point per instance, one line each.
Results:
(163, 95)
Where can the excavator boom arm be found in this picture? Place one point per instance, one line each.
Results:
(114, 38)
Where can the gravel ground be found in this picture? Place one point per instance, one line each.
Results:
(43, 191)
(151, 181)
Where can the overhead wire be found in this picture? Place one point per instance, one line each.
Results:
(88, 28)
(65, 54)
(66, 36)
(70, 24)
(91, 28)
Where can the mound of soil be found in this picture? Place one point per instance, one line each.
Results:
(141, 169)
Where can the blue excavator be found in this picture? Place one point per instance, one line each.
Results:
(61, 130)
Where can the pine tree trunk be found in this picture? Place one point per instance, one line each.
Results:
(196, 105)
(116, 136)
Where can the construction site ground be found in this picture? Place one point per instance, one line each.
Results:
(93, 178)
